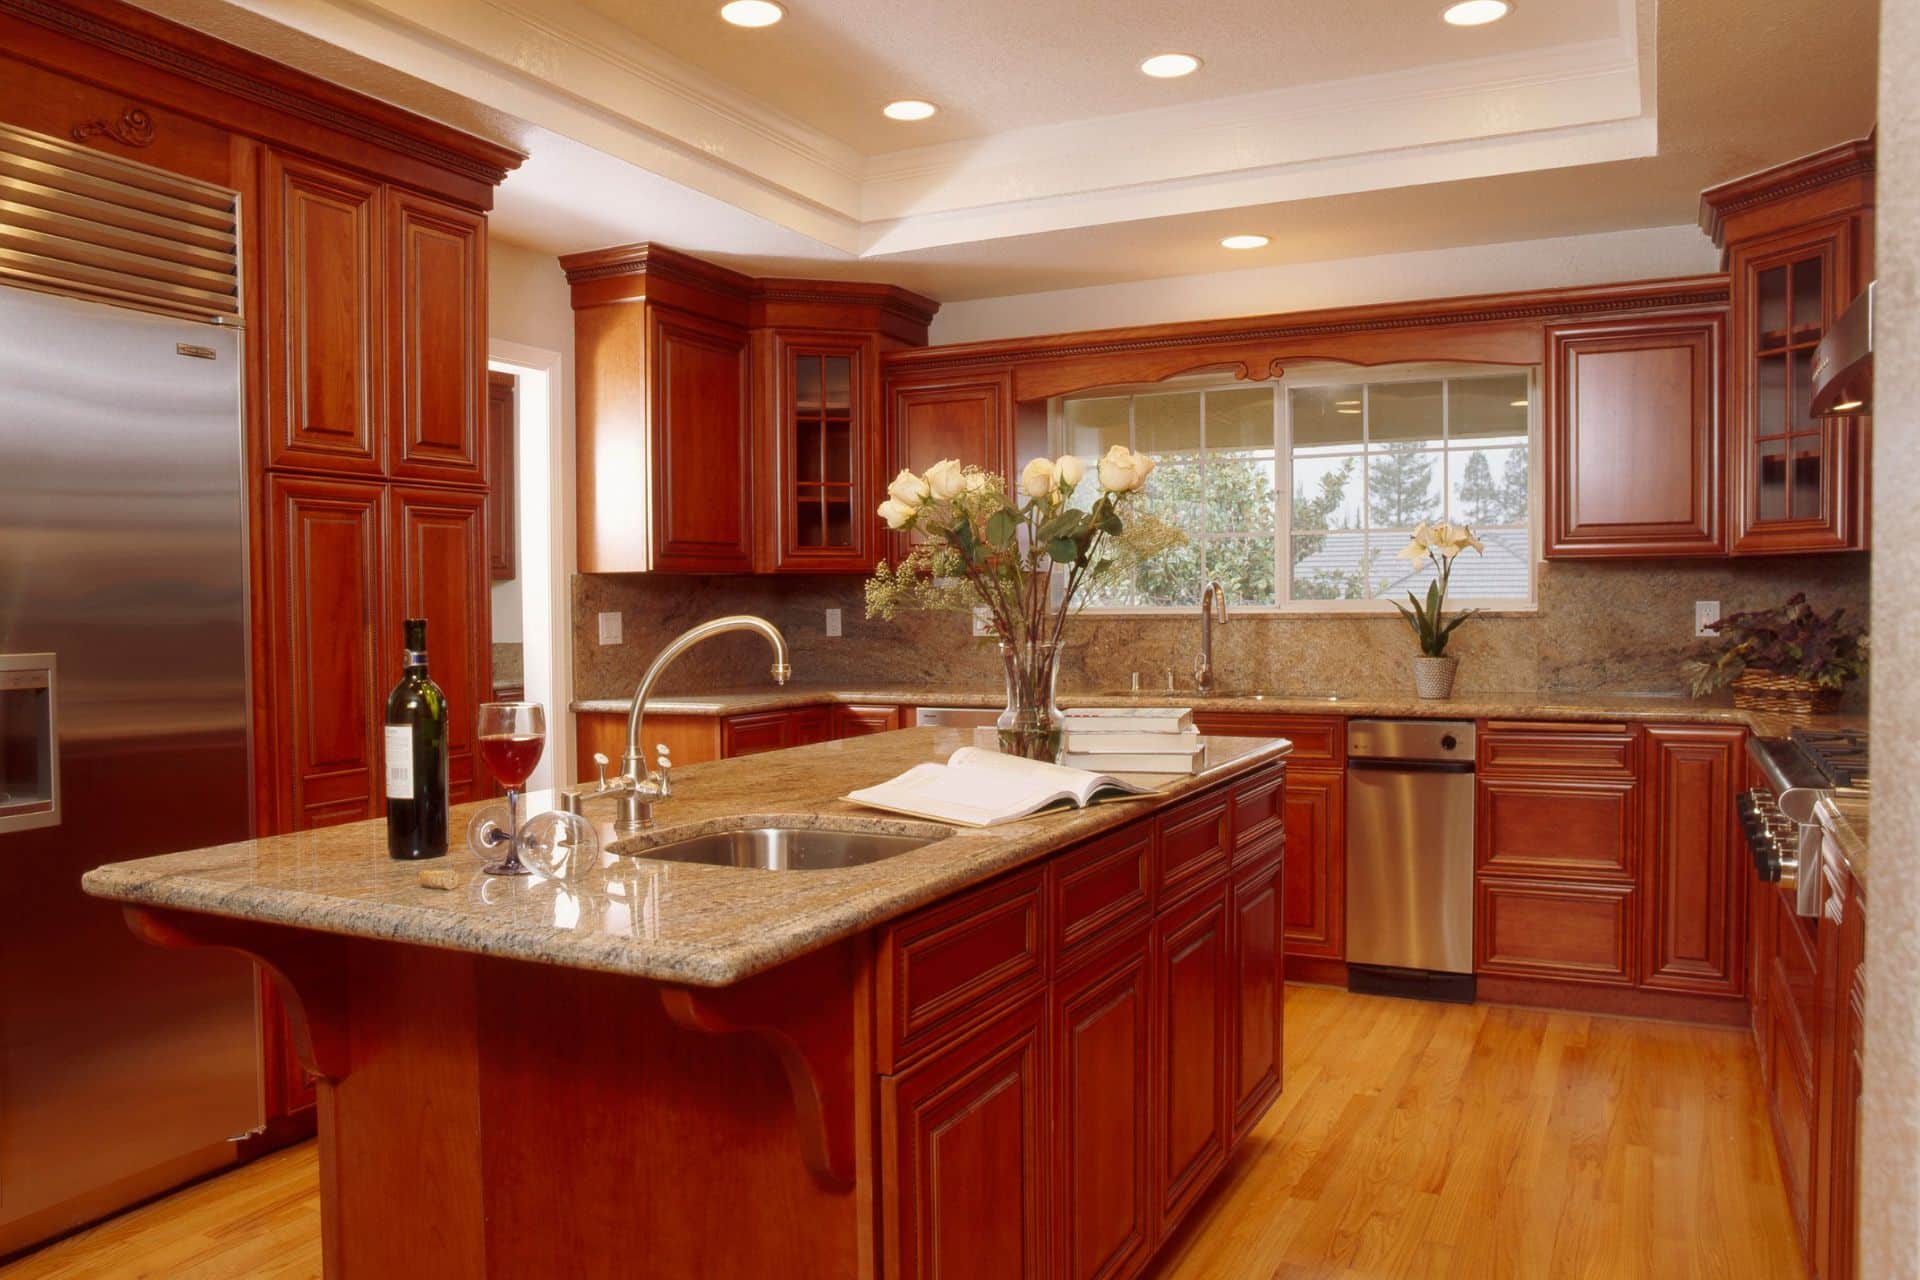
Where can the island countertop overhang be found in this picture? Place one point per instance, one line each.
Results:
(669, 922)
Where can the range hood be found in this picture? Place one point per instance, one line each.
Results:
(1843, 362)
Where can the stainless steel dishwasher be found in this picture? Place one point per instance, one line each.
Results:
(1410, 858)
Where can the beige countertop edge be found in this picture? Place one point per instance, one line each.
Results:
(768, 932)
(1846, 822)
(1535, 706)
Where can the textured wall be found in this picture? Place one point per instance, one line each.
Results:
(1890, 1209)
(1599, 626)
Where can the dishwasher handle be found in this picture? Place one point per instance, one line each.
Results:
(1410, 766)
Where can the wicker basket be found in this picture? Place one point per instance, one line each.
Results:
(1788, 696)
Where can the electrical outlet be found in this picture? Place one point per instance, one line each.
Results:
(833, 622)
(982, 621)
(610, 628)
(1704, 612)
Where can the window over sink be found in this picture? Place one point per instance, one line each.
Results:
(1299, 493)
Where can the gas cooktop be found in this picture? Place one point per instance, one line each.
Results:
(1839, 756)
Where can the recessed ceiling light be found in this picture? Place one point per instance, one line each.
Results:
(1516, 404)
(1476, 13)
(752, 13)
(1170, 66)
(1346, 411)
(908, 109)
(1245, 242)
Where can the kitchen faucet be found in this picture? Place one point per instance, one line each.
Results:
(1212, 596)
(637, 787)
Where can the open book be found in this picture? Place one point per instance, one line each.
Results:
(977, 788)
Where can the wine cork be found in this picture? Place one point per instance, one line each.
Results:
(439, 878)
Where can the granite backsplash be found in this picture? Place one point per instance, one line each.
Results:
(1612, 626)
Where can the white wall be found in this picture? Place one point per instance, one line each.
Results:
(1437, 273)
(506, 611)
(1890, 1108)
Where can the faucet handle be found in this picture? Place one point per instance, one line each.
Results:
(600, 763)
(665, 762)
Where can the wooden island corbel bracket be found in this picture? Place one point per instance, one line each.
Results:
(811, 1013)
(307, 969)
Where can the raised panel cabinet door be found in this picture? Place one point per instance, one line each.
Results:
(1559, 829)
(329, 685)
(969, 419)
(321, 265)
(701, 477)
(856, 721)
(810, 724)
(1193, 1020)
(440, 574)
(756, 731)
(436, 340)
(1102, 1046)
(1693, 905)
(503, 517)
(964, 1153)
(1554, 929)
(1314, 882)
(1795, 478)
(1634, 439)
(1258, 971)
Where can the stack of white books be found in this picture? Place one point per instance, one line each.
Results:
(1132, 740)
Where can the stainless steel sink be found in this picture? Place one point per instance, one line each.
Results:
(767, 846)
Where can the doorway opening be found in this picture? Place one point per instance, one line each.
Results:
(527, 549)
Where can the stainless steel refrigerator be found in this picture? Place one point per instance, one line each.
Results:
(124, 1069)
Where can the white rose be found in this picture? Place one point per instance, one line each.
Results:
(946, 480)
(897, 514)
(908, 489)
(1071, 471)
(1123, 470)
(1038, 478)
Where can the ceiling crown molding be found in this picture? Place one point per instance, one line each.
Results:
(1809, 173)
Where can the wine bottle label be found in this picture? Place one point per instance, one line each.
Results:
(399, 762)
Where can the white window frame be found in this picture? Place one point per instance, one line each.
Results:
(1321, 375)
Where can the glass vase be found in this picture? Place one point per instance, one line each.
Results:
(1031, 726)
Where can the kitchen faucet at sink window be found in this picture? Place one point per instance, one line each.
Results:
(637, 788)
(1213, 598)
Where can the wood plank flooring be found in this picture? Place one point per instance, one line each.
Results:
(1413, 1140)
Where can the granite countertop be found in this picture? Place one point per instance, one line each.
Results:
(673, 922)
(1518, 706)
(1845, 819)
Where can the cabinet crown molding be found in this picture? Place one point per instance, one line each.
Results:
(194, 56)
(1840, 163)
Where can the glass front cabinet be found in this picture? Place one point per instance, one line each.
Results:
(826, 468)
(1798, 242)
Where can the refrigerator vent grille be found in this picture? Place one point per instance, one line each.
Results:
(76, 222)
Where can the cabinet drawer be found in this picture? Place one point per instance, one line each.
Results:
(1259, 811)
(1580, 749)
(1313, 737)
(943, 968)
(1539, 930)
(1558, 829)
(1101, 887)
(1194, 841)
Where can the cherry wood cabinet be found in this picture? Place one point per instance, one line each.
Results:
(729, 424)
(965, 1153)
(1560, 931)
(321, 261)
(1634, 441)
(436, 340)
(1695, 900)
(967, 417)
(745, 735)
(1799, 242)
(439, 573)
(328, 601)
(1193, 1017)
(1259, 994)
(503, 516)
(850, 721)
(1103, 1043)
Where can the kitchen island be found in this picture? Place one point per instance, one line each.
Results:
(1025, 1050)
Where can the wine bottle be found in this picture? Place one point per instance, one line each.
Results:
(416, 757)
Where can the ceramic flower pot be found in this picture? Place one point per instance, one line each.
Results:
(1433, 677)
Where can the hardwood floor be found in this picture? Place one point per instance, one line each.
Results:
(1412, 1140)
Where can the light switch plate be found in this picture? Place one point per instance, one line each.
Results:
(610, 628)
(1705, 611)
(982, 621)
(833, 622)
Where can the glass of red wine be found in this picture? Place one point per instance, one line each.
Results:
(511, 737)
